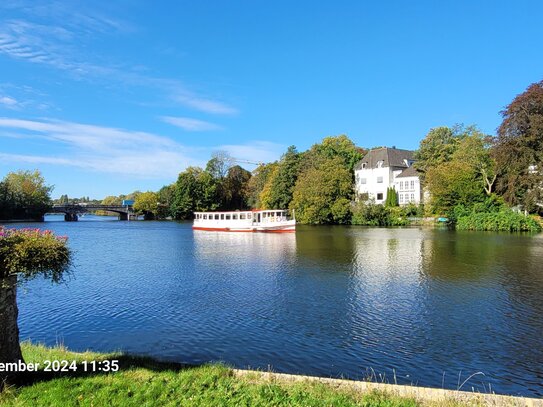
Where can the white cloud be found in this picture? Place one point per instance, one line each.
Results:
(8, 102)
(120, 151)
(255, 151)
(204, 104)
(103, 149)
(189, 124)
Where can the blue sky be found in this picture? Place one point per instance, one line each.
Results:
(106, 97)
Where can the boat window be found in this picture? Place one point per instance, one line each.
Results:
(278, 214)
(227, 217)
(242, 216)
(205, 216)
(217, 216)
(235, 216)
(222, 216)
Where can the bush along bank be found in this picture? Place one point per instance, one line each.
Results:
(372, 214)
(492, 215)
(503, 221)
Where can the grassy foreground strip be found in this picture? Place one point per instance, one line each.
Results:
(146, 382)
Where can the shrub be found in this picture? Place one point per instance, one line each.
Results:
(29, 252)
(505, 220)
(371, 214)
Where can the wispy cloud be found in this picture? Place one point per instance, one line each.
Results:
(255, 151)
(56, 41)
(8, 102)
(189, 124)
(102, 149)
(20, 97)
(119, 151)
(203, 104)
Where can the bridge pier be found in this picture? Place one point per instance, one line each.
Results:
(125, 216)
(70, 217)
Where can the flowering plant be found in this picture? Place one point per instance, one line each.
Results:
(28, 252)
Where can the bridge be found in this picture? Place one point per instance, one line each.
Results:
(72, 211)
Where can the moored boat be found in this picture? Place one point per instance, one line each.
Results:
(268, 220)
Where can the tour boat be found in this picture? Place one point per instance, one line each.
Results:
(269, 220)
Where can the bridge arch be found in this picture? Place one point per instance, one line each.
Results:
(72, 212)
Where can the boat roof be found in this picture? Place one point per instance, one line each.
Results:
(248, 210)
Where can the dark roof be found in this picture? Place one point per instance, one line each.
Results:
(408, 172)
(391, 157)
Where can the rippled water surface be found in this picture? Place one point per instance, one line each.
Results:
(427, 306)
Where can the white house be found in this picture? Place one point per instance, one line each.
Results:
(383, 168)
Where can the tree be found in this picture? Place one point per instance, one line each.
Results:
(519, 149)
(323, 192)
(453, 183)
(219, 164)
(340, 146)
(186, 190)
(24, 254)
(165, 200)
(147, 203)
(195, 190)
(474, 149)
(392, 198)
(63, 200)
(437, 147)
(235, 188)
(281, 184)
(111, 200)
(258, 182)
(24, 195)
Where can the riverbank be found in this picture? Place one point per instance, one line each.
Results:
(144, 381)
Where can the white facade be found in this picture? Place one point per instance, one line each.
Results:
(408, 189)
(375, 182)
(385, 168)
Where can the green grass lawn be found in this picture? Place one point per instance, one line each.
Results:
(145, 382)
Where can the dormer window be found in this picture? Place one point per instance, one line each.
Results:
(380, 164)
(363, 165)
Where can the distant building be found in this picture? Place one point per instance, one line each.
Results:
(383, 168)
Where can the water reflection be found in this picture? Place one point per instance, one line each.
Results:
(224, 247)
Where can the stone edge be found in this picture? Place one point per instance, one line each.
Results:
(419, 393)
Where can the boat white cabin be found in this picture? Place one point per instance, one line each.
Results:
(269, 220)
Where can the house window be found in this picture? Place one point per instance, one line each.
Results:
(379, 180)
(401, 185)
(400, 198)
(412, 184)
(363, 165)
(380, 196)
(379, 164)
(412, 197)
(362, 181)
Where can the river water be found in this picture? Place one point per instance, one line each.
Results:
(407, 305)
